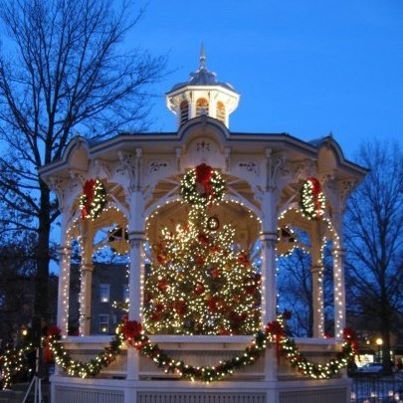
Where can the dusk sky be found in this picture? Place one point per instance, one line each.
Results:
(302, 67)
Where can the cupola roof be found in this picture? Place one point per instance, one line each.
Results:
(202, 76)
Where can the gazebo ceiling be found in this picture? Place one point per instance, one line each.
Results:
(247, 227)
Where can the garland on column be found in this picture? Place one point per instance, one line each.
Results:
(93, 199)
(132, 333)
(312, 201)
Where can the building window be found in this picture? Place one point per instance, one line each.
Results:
(104, 292)
(103, 321)
(125, 293)
(201, 107)
(184, 112)
(221, 111)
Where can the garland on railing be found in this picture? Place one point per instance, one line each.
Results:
(78, 368)
(132, 333)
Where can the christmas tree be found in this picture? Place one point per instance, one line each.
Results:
(198, 282)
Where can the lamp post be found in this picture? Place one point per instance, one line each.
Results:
(379, 343)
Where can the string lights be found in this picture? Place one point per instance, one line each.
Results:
(312, 201)
(93, 199)
(202, 185)
(200, 284)
(133, 334)
(13, 361)
(338, 280)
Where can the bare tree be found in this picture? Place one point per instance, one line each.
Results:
(374, 240)
(295, 290)
(65, 70)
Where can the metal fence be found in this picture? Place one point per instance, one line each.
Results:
(371, 390)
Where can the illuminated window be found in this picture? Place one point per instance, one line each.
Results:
(221, 111)
(184, 112)
(103, 321)
(104, 292)
(201, 107)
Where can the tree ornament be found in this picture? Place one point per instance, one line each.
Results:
(93, 199)
(202, 186)
(118, 240)
(312, 200)
(213, 223)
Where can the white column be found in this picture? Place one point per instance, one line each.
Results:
(64, 277)
(86, 270)
(85, 298)
(317, 301)
(269, 287)
(136, 240)
(317, 281)
(338, 274)
(339, 292)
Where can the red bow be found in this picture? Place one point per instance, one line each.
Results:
(350, 336)
(53, 331)
(316, 188)
(277, 331)
(204, 173)
(89, 192)
(243, 259)
(131, 329)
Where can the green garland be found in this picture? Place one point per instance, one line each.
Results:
(79, 368)
(131, 332)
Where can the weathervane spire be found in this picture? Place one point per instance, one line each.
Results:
(202, 57)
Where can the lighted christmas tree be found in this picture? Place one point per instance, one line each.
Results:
(198, 282)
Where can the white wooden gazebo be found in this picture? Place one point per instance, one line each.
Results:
(141, 173)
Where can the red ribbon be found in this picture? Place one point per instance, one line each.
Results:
(316, 190)
(53, 331)
(277, 331)
(89, 193)
(350, 336)
(131, 330)
(204, 173)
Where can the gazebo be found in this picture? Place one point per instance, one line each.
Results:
(140, 175)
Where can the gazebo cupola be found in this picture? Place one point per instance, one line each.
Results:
(202, 94)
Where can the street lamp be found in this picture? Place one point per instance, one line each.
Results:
(379, 343)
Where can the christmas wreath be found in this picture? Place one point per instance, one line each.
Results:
(313, 201)
(202, 185)
(93, 199)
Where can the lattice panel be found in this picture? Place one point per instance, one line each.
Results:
(81, 395)
(200, 397)
(315, 396)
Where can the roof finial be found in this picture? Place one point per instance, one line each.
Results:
(202, 57)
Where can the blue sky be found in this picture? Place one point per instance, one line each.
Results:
(302, 67)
